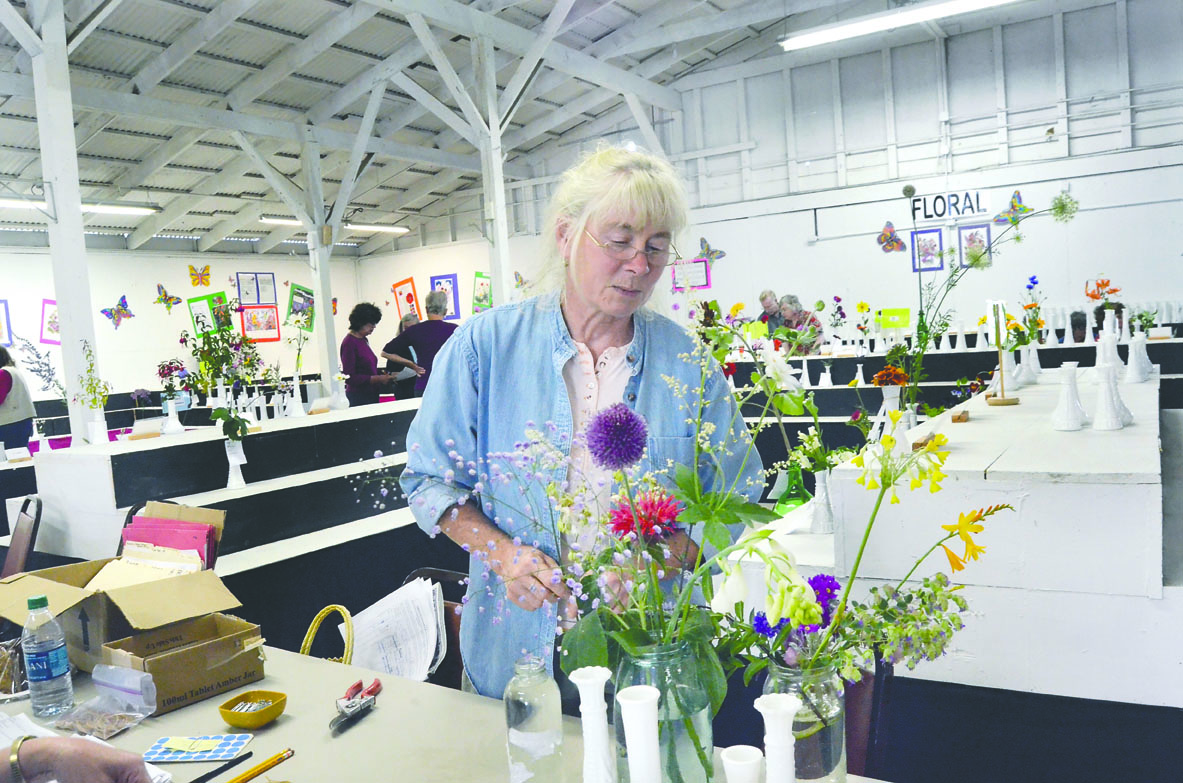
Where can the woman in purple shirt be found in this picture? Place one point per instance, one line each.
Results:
(358, 361)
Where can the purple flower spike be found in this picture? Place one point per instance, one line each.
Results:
(616, 437)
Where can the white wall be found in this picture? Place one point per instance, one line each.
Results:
(128, 356)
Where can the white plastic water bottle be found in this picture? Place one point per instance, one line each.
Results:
(534, 723)
(51, 690)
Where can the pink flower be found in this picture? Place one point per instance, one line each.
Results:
(653, 516)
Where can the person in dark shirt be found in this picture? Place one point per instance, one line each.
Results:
(425, 339)
(404, 377)
(358, 362)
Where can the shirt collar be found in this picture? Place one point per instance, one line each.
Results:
(564, 344)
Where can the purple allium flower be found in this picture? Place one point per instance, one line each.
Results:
(616, 437)
(826, 588)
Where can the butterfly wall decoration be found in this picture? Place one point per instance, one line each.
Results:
(709, 253)
(518, 280)
(889, 240)
(334, 305)
(199, 276)
(1016, 210)
(165, 298)
(119, 313)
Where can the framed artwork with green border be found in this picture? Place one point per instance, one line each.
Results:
(482, 292)
(301, 300)
(210, 313)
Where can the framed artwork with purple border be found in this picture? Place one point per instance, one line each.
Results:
(5, 325)
(928, 247)
(691, 275)
(449, 284)
(973, 237)
(51, 333)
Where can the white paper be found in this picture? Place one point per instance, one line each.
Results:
(14, 726)
(266, 283)
(234, 453)
(402, 634)
(16, 455)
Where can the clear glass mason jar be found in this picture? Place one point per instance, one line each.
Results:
(819, 729)
(684, 735)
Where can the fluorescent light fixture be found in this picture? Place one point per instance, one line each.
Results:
(885, 20)
(98, 209)
(372, 228)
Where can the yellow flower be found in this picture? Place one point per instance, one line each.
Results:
(736, 309)
(966, 524)
(982, 321)
(955, 562)
(914, 483)
(872, 484)
(858, 460)
(894, 497)
(888, 442)
(853, 382)
(863, 307)
(895, 416)
(973, 551)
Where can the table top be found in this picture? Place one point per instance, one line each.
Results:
(416, 732)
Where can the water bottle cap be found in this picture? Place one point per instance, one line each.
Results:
(38, 602)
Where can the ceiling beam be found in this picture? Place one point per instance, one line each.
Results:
(458, 18)
(531, 61)
(276, 237)
(283, 187)
(16, 25)
(447, 73)
(354, 166)
(407, 55)
(187, 43)
(247, 216)
(90, 24)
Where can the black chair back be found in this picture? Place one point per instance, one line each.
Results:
(24, 537)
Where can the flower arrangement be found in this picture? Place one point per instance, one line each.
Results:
(1101, 291)
(864, 318)
(838, 317)
(173, 376)
(1144, 319)
(138, 397)
(300, 337)
(94, 389)
(890, 375)
(1032, 321)
(222, 354)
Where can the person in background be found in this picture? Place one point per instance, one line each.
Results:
(417, 346)
(796, 317)
(771, 314)
(1099, 316)
(559, 358)
(1078, 321)
(404, 377)
(71, 760)
(358, 362)
(16, 405)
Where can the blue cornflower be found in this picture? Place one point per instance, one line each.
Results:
(616, 437)
(1032, 282)
(761, 626)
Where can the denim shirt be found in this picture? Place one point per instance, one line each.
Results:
(502, 373)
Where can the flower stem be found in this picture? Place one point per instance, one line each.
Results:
(922, 559)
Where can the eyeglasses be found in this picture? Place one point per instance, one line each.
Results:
(624, 251)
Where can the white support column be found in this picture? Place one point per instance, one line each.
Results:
(496, 216)
(59, 169)
(643, 124)
(839, 125)
(1000, 96)
(1061, 126)
(893, 152)
(1123, 75)
(320, 253)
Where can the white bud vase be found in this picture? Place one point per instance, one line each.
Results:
(1016, 376)
(1031, 356)
(638, 712)
(858, 375)
(741, 764)
(599, 762)
(778, 711)
(983, 338)
(96, 427)
(891, 402)
(1123, 413)
(1069, 414)
(824, 381)
(172, 422)
(805, 373)
(1106, 417)
(962, 339)
(823, 510)
(295, 403)
(234, 478)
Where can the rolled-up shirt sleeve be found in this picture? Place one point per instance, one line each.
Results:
(442, 440)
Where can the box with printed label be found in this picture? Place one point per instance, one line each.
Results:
(89, 616)
(192, 660)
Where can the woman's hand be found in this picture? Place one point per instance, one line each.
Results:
(418, 370)
(531, 576)
(381, 380)
(73, 760)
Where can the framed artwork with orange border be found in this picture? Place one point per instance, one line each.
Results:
(260, 323)
(406, 298)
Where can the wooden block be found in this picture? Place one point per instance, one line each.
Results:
(920, 444)
(961, 417)
(315, 411)
(1002, 401)
(144, 436)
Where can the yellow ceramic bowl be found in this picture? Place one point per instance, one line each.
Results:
(253, 720)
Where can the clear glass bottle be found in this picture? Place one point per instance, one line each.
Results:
(684, 731)
(51, 691)
(819, 729)
(534, 723)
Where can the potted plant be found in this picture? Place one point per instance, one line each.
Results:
(235, 428)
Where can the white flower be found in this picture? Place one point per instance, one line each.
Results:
(778, 369)
(731, 590)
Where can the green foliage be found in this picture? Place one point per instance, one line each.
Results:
(94, 389)
(234, 426)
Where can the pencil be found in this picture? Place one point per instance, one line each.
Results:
(225, 767)
(262, 767)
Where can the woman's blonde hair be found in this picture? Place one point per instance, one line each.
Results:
(610, 183)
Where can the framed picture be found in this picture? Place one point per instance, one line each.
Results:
(973, 238)
(406, 298)
(302, 301)
(210, 313)
(260, 323)
(482, 292)
(449, 285)
(256, 288)
(928, 247)
(5, 325)
(691, 275)
(51, 327)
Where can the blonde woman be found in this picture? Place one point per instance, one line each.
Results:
(554, 360)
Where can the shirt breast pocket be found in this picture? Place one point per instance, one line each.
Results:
(666, 453)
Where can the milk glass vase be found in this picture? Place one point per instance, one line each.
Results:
(684, 735)
(819, 728)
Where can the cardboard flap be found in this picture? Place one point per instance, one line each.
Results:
(167, 601)
(202, 516)
(16, 590)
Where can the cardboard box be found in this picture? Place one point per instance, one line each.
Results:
(89, 618)
(193, 660)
